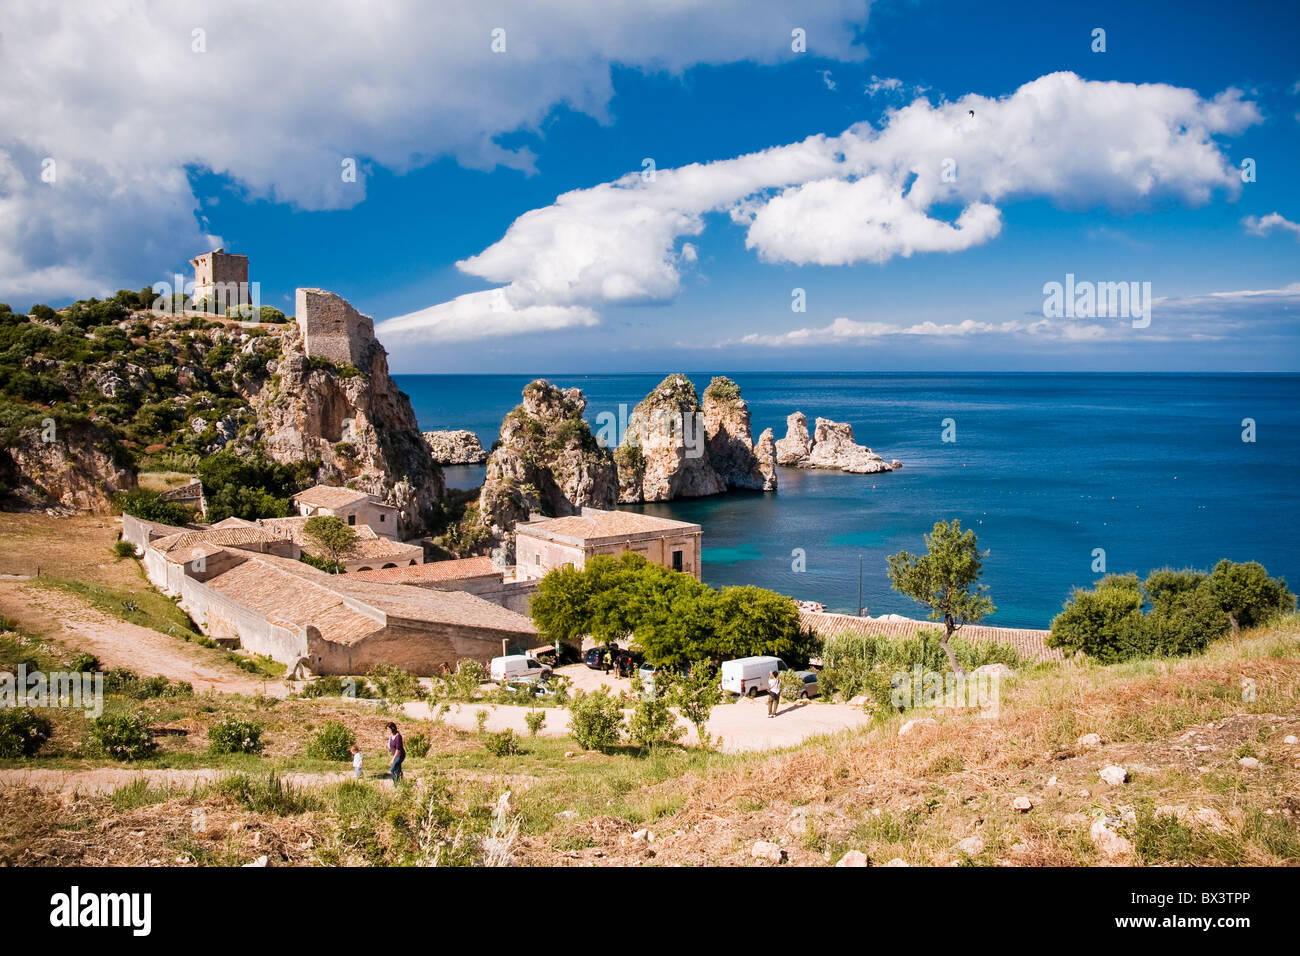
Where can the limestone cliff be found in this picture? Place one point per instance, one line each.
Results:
(831, 446)
(351, 417)
(730, 444)
(458, 447)
(665, 452)
(69, 467)
(546, 463)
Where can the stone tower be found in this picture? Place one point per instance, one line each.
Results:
(222, 279)
(331, 329)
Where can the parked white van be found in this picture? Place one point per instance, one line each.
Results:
(512, 667)
(749, 675)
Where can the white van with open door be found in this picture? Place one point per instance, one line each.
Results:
(749, 676)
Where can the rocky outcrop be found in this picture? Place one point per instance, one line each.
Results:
(63, 466)
(665, 453)
(352, 418)
(458, 447)
(831, 446)
(765, 454)
(731, 447)
(794, 448)
(547, 463)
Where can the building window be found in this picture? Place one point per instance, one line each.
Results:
(352, 519)
(537, 559)
(382, 517)
(677, 560)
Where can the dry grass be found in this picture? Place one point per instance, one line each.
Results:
(80, 546)
(915, 797)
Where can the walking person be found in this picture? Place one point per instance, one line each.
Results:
(356, 761)
(398, 752)
(773, 694)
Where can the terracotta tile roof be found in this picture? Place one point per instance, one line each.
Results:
(233, 522)
(220, 537)
(595, 525)
(1029, 644)
(454, 570)
(294, 528)
(330, 496)
(427, 605)
(293, 601)
(368, 544)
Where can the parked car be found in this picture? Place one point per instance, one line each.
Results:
(515, 667)
(811, 688)
(748, 676)
(594, 657)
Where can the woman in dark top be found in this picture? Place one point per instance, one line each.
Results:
(398, 752)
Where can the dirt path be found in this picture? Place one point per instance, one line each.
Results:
(72, 622)
(742, 726)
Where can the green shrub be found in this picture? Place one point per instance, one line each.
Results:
(394, 684)
(463, 683)
(234, 736)
(653, 724)
(418, 744)
(270, 795)
(1247, 594)
(535, 719)
(331, 685)
(84, 663)
(504, 744)
(128, 683)
(122, 737)
(596, 719)
(856, 664)
(332, 742)
(22, 732)
(124, 549)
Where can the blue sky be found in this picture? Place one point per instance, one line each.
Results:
(453, 154)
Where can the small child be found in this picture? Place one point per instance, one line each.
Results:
(356, 761)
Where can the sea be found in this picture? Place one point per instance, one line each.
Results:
(1061, 476)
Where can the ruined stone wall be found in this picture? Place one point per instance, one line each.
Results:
(332, 329)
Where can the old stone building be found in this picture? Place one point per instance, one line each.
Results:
(333, 330)
(337, 624)
(354, 507)
(221, 281)
(549, 543)
(477, 575)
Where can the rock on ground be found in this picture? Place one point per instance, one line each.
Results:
(1113, 775)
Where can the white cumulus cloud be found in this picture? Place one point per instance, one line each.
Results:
(127, 97)
(871, 194)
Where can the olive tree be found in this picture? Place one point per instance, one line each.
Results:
(945, 579)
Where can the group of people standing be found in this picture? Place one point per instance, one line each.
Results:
(618, 662)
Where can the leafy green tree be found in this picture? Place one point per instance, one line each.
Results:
(149, 506)
(333, 536)
(1247, 594)
(560, 606)
(945, 580)
(1106, 622)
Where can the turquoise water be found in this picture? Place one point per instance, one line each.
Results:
(1046, 468)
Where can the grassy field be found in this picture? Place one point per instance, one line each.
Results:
(1188, 799)
(945, 793)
